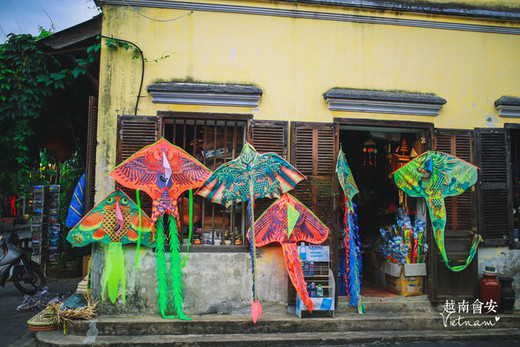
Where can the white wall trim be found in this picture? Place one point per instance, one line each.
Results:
(389, 107)
(508, 106)
(265, 11)
(215, 99)
(509, 111)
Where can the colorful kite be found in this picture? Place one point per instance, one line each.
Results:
(288, 221)
(164, 171)
(76, 210)
(434, 176)
(248, 177)
(116, 220)
(351, 242)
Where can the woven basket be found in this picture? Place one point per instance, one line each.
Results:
(44, 321)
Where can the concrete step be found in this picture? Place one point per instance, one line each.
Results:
(242, 324)
(418, 303)
(57, 339)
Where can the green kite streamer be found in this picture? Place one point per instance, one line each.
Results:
(138, 247)
(176, 275)
(114, 272)
(162, 281)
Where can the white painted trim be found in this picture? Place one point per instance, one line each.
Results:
(509, 111)
(264, 11)
(214, 99)
(389, 107)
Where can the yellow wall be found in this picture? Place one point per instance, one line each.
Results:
(295, 61)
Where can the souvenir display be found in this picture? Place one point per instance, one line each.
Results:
(116, 220)
(164, 171)
(404, 243)
(351, 242)
(287, 221)
(434, 176)
(246, 178)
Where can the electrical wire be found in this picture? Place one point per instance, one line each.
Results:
(142, 66)
(136, 10)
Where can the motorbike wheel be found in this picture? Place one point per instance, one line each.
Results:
(30, 281)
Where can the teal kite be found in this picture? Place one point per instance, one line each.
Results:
(434, 176)
(352, 242)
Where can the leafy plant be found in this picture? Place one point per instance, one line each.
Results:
(28, 79)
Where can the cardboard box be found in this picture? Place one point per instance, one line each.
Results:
(324, 304)
(405, 280)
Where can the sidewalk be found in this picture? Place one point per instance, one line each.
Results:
(13, 324)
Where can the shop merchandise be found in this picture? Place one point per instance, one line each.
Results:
(116, 220)
(287, 221)
(434, 176)
(248, 177)
(164, 171)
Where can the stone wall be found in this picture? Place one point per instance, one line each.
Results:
(213, 282)
(507, 263)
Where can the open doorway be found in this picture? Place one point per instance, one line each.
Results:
(373, 154)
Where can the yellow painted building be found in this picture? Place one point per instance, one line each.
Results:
(302, 77)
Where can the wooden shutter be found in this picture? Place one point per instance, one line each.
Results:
(134, 133)
(267, 137)
(270, 136)
(444, 284)
(313, 151)
(495, 186)
(90, 183)
(459, 209)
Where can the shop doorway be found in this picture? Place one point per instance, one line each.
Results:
(373, 153)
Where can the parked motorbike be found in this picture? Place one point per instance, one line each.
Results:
(27, 275)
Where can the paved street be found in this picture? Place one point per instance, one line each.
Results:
(13, 324)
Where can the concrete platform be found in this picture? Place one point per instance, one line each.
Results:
(277, 327)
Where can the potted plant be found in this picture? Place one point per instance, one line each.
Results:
(227, 238)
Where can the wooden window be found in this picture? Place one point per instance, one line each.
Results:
(134, 133)
(313, 152)
(90, 183)
(268, 137)
(213, 140)
(495, 186)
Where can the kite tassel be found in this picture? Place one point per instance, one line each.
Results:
(114, 272)
(176, 274)
(294, 268)
(162, 281)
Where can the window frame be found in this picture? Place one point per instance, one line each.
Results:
(170, 117)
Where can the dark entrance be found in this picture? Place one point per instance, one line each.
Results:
(373, 153)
